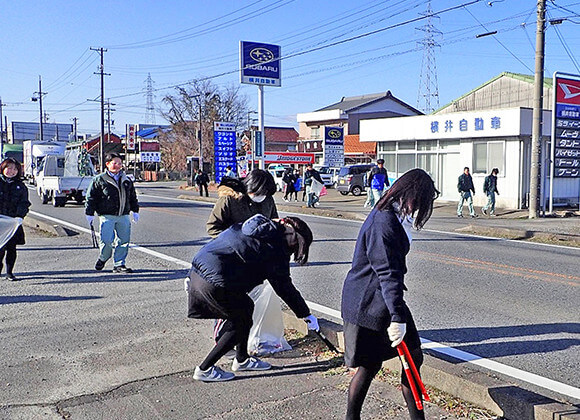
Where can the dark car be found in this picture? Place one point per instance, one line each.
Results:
(351, 179)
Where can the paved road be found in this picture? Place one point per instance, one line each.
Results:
(516, 303)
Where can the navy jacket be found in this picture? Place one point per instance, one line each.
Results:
(245, 255)
(372, 295)
(378, 178)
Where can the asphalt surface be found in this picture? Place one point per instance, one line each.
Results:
(126, 315)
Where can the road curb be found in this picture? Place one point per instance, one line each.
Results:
(502, 398)
(53, 229)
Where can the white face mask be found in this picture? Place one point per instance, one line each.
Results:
(257, 198)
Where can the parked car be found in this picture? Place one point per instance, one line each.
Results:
(277, 172)
(351, 179)
(328, 174)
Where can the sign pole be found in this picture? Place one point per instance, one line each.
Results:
(261, 123)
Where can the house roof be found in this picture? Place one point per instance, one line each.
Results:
(281, 134)
(352, 103)
(548, 82)
(352, 145)
(151, 133)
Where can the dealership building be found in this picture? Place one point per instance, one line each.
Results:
(488, 127)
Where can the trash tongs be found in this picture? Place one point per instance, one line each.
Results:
(412, 375)
(94, 237)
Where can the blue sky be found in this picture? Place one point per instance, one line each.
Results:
(183, 40)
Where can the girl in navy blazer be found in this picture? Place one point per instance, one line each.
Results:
(376, 317)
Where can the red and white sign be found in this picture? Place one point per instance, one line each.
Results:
(130, 136)
(289, 157)
(568, 91)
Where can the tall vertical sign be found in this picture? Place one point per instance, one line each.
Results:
(224, 134)
(333, 150)
(130, 136)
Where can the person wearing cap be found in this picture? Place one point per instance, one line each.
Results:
(226, 269)
(378, 181)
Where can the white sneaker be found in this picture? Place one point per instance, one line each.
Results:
(251, 363)
(213, 374)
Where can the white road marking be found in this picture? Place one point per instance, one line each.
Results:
(474, 359)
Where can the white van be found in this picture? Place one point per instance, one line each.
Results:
(277, 170)
(329, 175)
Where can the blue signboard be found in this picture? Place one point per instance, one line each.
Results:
(334, 146)
(224, 135)
(258, 146)
(260, 63)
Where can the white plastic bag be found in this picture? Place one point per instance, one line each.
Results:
(316, 187)
(267, 332)
(8, 226)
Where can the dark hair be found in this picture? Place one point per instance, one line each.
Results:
(380, 162)
(496, 170)
(11, 161)
(414, 192)
(260, 182)
(304, 238)
(467, 167)
(110, 156)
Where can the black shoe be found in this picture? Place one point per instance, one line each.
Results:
(122, 269)
(474, 216)
(99, 265)
(459, 215)
(483, 211)
(11, 277)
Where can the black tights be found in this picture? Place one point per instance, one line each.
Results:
(361, 382)
(10, 251)
(233, 336)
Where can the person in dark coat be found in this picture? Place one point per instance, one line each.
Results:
(465, 188)
(376, 317)
(490, 189)
(230, 266)
(13, 203)
(289, 179)
(202, 181)
(309, 175)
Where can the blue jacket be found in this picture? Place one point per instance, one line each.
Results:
(378, 178)
(245, 255)
(372, 295)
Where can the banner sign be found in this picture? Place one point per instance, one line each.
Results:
(258, 145)
(150, 156)
(260, 63)
(130, 136)
(566, 133)
(289, 157)
(224, 134)
(333, 146)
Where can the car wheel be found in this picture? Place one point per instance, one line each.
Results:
(356, 190)
(344, 192)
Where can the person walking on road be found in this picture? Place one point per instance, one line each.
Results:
(490, 189)
(288, 180)
(13, 203)
(230, 266)
(376, 317)
(378, 182)
(309, 175)
(112, 197)
(465, 188)
(230, 172)
(202, 181)
(297, 185)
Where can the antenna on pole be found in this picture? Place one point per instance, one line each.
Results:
(150, 114)
(428, 95)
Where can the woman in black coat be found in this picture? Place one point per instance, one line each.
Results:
(376, 317)
(13, 203)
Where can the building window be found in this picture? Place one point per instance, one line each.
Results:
(315, 145)
(390, 161)
(308, 146)
(387, 146)
(427, 145)
(427, 162)
(405, 162)
(406, 145)
(449, 144)
(487, 156)
(315, 133)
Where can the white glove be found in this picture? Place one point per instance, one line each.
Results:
(186, 283)
(396, 332)
(90, 219)
(312, 323)
(135, 217)
(19, 220)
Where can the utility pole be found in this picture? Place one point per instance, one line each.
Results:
(101, 52)
(1, 130)
(535, 172)
(75, 128)
(40, 93)
(109, 105)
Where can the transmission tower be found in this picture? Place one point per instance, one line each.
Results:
(150, 114)
(428, 96)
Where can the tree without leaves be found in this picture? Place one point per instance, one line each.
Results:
(217, 104)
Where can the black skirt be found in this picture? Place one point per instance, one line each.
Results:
(17, 239)
(366, 347)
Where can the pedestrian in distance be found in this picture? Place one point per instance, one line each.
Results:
(13, 203)
(378, 181)
(111, 195)
(297, 184)
(229, 172)
(288, 180)
(202, 180)
(376, 317)
(465, 188)
(370, 201)
(309, 175)
(227, 268)
(490, 189)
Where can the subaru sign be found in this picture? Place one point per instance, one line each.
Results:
(260, 63)
(333, 146)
